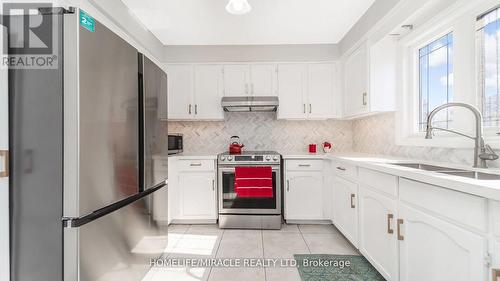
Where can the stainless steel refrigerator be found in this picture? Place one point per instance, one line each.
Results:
(81, 140)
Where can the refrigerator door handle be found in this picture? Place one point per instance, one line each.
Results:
(5, 155)
(77, 222)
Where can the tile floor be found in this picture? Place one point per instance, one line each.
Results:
(208, 241)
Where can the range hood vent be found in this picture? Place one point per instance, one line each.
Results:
(250, 104)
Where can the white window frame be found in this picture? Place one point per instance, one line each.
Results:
(490, 132)
(460, 19)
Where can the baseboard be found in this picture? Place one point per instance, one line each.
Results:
(308, 221)
(193, 221)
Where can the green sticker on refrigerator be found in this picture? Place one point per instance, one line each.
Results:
(87, 21)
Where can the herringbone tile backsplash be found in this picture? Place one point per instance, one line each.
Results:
(376, 135)
(261, 131)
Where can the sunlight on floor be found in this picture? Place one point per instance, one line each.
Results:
(184, 245)
(151, 245)
(191, 244)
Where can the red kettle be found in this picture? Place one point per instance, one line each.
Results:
(235, 146)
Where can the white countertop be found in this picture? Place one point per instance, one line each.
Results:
(188, 156)
(484, 188)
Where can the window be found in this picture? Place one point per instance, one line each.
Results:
(436, 80)
(489, 60)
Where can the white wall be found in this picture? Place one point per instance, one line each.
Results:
(117, 17)
(252, 53)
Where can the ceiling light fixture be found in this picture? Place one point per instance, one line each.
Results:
(238, 7)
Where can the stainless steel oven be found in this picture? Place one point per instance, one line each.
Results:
(175, 143)
(237, 212)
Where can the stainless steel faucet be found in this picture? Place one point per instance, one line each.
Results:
(482, 151)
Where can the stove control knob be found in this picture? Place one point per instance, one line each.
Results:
(276, 158)
(268, 158)
(230, 158)
(222, 158)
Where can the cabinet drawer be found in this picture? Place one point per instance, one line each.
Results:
(345, 169)
(463, 208)
(380, 181)
(196, 165)
(304, 165)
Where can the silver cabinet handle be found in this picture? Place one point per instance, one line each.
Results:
(213, 185)
(189, 109)
(352, 201)
(246, 88)
(304, 165)
(364, 98)
(341, 168)
(304, 108)
(400, 236)
(310, 108)
(196, 109)
(389, 219)
(287, 185)
(252, 88)
(195, 164)
(5, 155)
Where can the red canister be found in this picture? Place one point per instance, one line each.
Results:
(312, 148)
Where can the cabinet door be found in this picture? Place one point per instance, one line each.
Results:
(356, 82)
(346, 208)
(208, 92)
(197, 195)
(321, 90)
(236, 78)
(303, 195)
(291, 91)
(263, 80)
(180, 91)
(435, 250)
(377, 237)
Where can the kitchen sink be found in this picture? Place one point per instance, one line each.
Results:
(425, 167)
(450, 171)
(473, 175)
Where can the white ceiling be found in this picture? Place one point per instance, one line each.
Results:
(206, 22)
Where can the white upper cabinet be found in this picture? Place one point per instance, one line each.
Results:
(370, 78)
(307, 91)
(236, 80)
(321, 90)
(194, 92)
(180, 91)
(208, 92)
(291, 89)
(263, 80)
(249, 80)
(356, 82)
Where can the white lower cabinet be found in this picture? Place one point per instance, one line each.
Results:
(432, 249)
(192, 190)
(303, 192)
(345, 210)
(198, 195)
(377, 236)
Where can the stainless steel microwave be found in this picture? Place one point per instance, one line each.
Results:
(175, 143)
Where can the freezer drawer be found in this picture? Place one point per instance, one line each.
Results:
(117, 246)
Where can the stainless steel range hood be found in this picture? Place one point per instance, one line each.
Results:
(250, 104)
